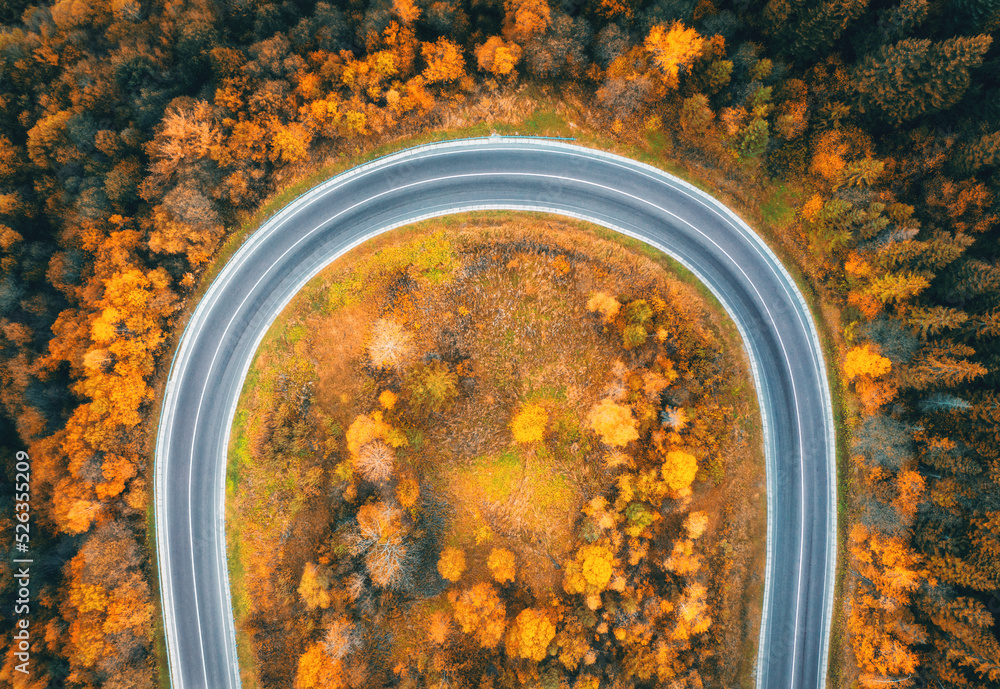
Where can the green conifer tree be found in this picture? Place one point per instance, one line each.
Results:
(916, 76)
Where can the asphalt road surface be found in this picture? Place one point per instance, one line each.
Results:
(218, 344)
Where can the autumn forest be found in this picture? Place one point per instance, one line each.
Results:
(140, 141)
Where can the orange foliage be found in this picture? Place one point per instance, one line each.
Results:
(530, 634)
(501, 564)
(387, 399)
(314, 587)
(116, 471)
(528, 425)
(497, 56)
(406, 10)
(186, 222)
(589, 573)
(888, 564)
(438, 627)
(129, 327)
(444, 59)
(368, 428)
(479, 611)
(866, 365)
(186, 135)
(911, 486)
(289, 143)
(732, 119)
(828, 156)
(381, 539)
(604, 304)
(317, 670)
(683, 559)
(451, 564)
(864, 361)
(679, 469)
(874, 394)
(108, 606)
(613, 422)
(74, 508)
(673, 49)
(692, 612)
(525, 18)
(968, 204)
(614, 8)
(407, 492)
(812, 207)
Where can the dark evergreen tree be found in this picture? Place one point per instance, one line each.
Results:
(914, 77)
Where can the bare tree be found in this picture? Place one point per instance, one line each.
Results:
(375, 462)
(390, 344)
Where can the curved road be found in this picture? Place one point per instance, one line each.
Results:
(499, 173)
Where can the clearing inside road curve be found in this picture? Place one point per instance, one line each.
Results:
(498, 448)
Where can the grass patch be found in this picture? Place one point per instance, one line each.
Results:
(549, 491)
(778, 209)
(546, 121)
(494, 478)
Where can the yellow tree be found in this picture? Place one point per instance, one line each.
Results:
(289, 142)
(679, 469)
(613, 422)
(672, 49)
(367, 428)
(882, 631)
(865, 366)
(589, 573)
(865, 361)
(314, 587)
(604, 304)
(129, 328)
(692, 612)
(501, 564)
(530, 634)
(528, 425)
(317, 670)
(451, 564)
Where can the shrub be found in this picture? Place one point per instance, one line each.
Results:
(432, 385)
(528, 425)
